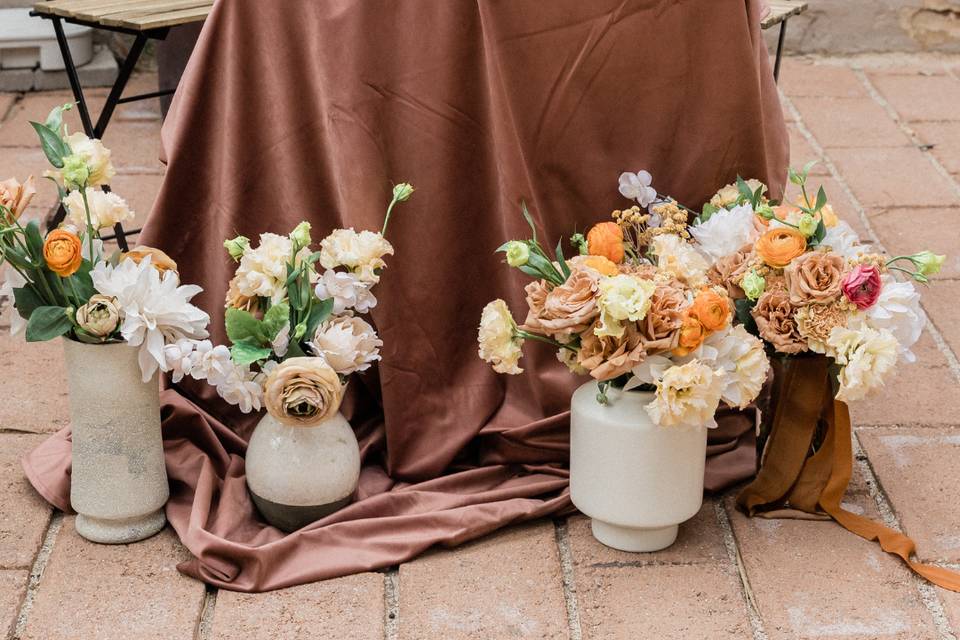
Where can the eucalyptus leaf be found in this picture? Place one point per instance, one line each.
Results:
(47, 323)
(746, 193)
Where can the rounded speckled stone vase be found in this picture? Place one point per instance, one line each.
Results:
(297, 475)
(118, 482)
(636, 480)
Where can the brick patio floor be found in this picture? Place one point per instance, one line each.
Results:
(887, 132)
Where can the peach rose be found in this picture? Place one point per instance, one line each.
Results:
(302, 392)
(566, 309)
(711, 309)
(729, 271)
(776, 321)
(692, 334)
(606, 239)
(63, 252)
(607, 357)
(158, 259)
(814, 278)
(778, 246)
(15, 197)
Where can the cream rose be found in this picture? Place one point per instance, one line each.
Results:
(347, 343)
(106, 209)
(302, 392)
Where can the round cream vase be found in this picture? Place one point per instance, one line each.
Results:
(118, 481)
(637, 481)
(298, 475)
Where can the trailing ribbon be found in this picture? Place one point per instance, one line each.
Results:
(803, 398)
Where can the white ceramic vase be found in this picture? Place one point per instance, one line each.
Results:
(636, 480)
(297, 475)
(118, 482)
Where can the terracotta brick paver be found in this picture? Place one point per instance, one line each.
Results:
(805, 579)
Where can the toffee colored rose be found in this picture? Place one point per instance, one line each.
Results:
(566, 309)
(15, 197)
(158, 259)
(302, 392)
(660, 327)
(607, 357)
(63, 252)
(862, 285)
(730, 270)
(711, 309)
(814, 278)
(778, 246)
(776, 323)
(606, 239)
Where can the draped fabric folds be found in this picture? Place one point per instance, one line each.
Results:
(311, 110)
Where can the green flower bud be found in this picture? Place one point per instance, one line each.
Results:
(753, 285)
(301, 236)
(765, 211)
(928, 263)
(578, 241)
(402, 192)
(237, 247)
(807, 225)
(75, 172)
(518, 253)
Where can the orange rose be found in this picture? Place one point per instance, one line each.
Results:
(692, 334)
(711, 309)
(158, 259)
(778, 246)
(63, 252)
(606, 239)
(600, 264)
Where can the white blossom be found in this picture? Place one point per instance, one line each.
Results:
(636, 186)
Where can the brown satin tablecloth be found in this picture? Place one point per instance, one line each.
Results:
(308, 110)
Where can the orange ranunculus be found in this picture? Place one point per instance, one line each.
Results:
(692, 333)
(606, 239)
(778, 246)
(601, 264)
(158, 259)
(63, 252)
(711, 309)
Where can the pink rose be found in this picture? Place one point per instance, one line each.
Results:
(862, 285)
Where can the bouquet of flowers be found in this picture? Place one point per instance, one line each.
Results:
(802, 280)
(634, 308)
(63, 284)
(293, 317)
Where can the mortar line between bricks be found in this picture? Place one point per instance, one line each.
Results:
(391, 603)
(568, 577)
(207, 606)
(36, 572)
(927, 592)
(942, 345)
(736, 561)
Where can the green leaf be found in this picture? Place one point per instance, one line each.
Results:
(26, 300)
(47, 323)
(52, 144)
(563, 263)
(318, 314)
(82, 282)
(16, 257)
(745, 192)
(795, 177)
(294, 351)
(743, 308)
(55, 118)
(275, 319)
(530, 271)
(34, 238)
(529, 219)
(820, 233)
(707, 211)
(545, 268)
(243, 326)
(503, 248)
(757, 195)
(87, 338)
(821, 199)
(247, 352)
(807, 167)
(61, 192)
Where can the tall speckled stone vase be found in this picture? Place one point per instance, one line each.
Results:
(297, 475)
(118, 483)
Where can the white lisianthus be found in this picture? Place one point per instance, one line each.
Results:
(499, 343)
(106, 209)
(680, 259)
(359, 251)
(742, 359)
(13, 280)
(898, 310)
(156, 309)
(687, 396)
(263, 271)
(867, 355)
(636, 186)
(726, 231)
(843, 240)
(347, 343)
(622, 297)
(347, 290)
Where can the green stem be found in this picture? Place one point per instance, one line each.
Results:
(898, 258)
(62, 290)
(533, 336)
(90, 231)
(386, 218)
(76, 295)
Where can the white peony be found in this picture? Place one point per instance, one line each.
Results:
(742, 359)
(867, 356)
(898, 310)
(347, 343)
(636, 186)
(499, 343)
(680, 259)
(13, 280)
(726, 231)
(263, 271)
(622, 297)
(361, 252)
(156, 309)
(843, 240)
(106, 209)
(347, 290)
(687, 396)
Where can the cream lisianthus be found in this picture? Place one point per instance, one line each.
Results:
(347, 291)
(263, 271)
(898, 310)
(94, 155)
(867, 356)
(726, 231)
(347, 343)
(687, 396)
(680, 259)
(499, 340)
(302, 392)
(106, 209)
(622, 298)
(359, 251)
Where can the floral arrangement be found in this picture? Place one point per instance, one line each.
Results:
(63, 284)
(295, 329)
(802, 280)
(634, 308)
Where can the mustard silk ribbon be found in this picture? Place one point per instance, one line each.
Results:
(816, 484)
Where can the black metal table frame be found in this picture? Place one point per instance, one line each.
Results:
(114, 98)
(780, 38)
